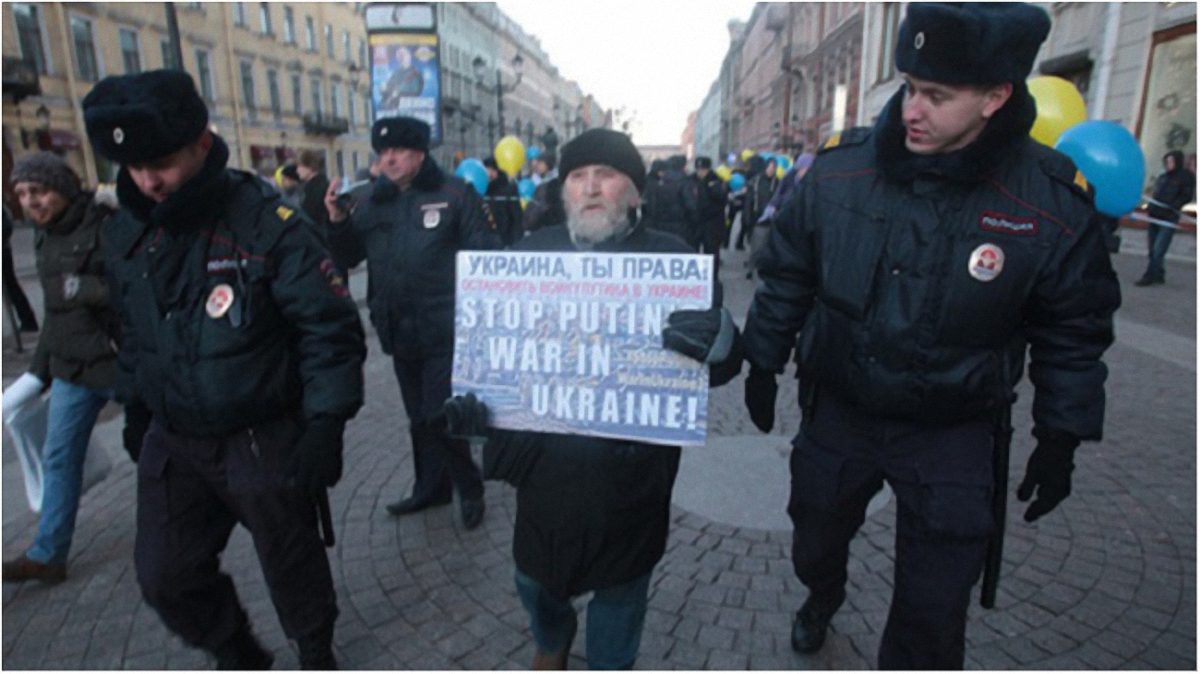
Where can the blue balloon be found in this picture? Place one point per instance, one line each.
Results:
(474, 172)
(525, 188)
(737, 182)
(1111, 160)
(784, 162)
(532, 153)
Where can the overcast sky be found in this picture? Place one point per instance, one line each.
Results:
(655, 57)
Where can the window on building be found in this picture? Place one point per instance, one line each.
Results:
(248, 89)
(887, 55)
(329, 40)
(335, 100)
(341, 163)
(310, 34)
(316, 96)
(85, 49)
(204, 69)
(131, 56)
(297, 104)
(28, 18)
(239, 13)
(289, 25)
(362, 53)
(264, 18)
(346, 46)
(350, 105)
(273, 92)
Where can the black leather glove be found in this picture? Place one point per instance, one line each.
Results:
(319, 454)
(706, 336)
(1049, 472)
(760, 398)
(466, 417)
(137, 422)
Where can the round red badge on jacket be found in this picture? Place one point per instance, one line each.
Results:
(219, 301)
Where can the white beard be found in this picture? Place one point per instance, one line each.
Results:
(587, 230)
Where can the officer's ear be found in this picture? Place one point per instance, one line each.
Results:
(995, 97)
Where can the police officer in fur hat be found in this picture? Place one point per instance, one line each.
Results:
(593, 513)
(918, 262)
(711, 197)
(409, 230)
(243, 350)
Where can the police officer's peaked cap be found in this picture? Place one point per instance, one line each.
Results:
(137, 118)
(402, 132)
(962, 43)
(604, 146)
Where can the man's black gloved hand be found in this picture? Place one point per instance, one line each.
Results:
(466, 417)
(137, 422)
(706, 336)
(319, 454)
(760, 398)
(1049, 472)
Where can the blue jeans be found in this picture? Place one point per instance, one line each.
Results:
(69, 421)
(1159, 240)
(614, 621)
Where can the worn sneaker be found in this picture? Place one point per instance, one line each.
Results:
(23, 568)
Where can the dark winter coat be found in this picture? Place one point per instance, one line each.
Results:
(671, 206)
(591, 512)
(545, 209)
(80, 334)
(877, 264)
(505, 206)
(290, 341)
(313, 201)
(1175, 189)
(409, 239)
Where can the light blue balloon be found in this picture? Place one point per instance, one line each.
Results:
(532, 153)
(1111, 160)
(474, 172)
(737, 182)
(784, 162)
(525, 188)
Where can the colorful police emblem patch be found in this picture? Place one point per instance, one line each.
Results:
(986, 263)
(219, 301)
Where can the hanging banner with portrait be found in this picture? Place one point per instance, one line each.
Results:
(405, 64)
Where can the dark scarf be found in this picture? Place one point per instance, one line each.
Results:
(1004, 134)
(197, 201)
(71, 217)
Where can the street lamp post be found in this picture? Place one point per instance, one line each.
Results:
(500, 88)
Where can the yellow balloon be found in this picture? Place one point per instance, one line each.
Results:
(1059, 107)
(279, 177)
(746, 154)
(779, 172)
(510, 155)
(723, 172)
(524, 203)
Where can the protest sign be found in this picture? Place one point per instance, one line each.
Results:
(572, 342)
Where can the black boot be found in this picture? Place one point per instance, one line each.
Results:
(316, 650)
(420, 434)
(243, 653)
(812, 621)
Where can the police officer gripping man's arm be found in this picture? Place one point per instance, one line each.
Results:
(409, 230)
(593, 513)
(919, 261)
(242, 342)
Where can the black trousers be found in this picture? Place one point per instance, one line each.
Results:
(942, 479)
(191, 493)
(16, 294)
(440, 462)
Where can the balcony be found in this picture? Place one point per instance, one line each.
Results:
(325, 125)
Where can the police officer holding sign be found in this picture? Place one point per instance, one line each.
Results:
(918, 261)
(409, 231)
(241, 343)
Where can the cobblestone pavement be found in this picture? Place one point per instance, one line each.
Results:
(1106, 581)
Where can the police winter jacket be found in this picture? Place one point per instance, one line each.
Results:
(591, 512)
(81, 328)
(711, 196)
(505, 206)
(916, 282)
(409, 239)
(233, 313)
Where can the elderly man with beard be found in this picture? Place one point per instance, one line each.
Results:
(593, 513)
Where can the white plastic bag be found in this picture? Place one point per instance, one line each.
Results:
(25, 418)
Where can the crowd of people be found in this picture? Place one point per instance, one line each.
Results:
(908, 269)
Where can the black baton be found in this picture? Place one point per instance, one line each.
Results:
(326, 518)
(1001, 442)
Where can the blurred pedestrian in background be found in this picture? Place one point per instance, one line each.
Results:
(545, 209)
(711, 196)
(504, 203)
(1174, 189)
(310, 168)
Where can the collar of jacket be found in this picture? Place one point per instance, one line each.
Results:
(429, 178)
(72, 216)
(1000, 139)
(195, 202)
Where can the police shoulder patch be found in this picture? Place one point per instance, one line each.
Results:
(1065, 173)
(846, 138)
(284, 212)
